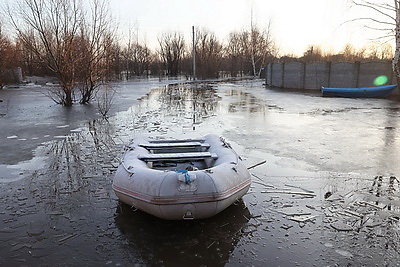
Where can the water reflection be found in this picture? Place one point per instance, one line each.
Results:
(81, 154)
(156, 242)
(102, 133)
(66, 164)
(390, 139)
(186, 103)
(244, 102)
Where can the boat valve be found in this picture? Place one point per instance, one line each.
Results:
(188, 212)
(188, 215)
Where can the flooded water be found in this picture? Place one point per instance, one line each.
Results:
(327, 195)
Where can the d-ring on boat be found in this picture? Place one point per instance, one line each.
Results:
(181, 179)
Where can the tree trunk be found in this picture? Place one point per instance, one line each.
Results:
(68, 98)
(396, 59)
(253, 63)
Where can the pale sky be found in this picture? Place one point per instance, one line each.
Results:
(295, 24)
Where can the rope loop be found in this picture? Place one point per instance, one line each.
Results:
(186, 174)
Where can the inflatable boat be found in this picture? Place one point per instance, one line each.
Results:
(181, 179)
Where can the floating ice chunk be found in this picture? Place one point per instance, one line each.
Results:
(340, 226)
(12, 137)
(33, 85)
(51, 84)
(289, 192)
(333, 197)
(344, 253)
(293, 211)
(63, 126)
(302, 218)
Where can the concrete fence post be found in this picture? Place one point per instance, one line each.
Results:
(329, 73)
(304, 76)
(357, 72)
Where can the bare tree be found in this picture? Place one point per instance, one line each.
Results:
(382, 52)
(396, 59)
(96, 43)
(105, 98)
(48, 28)
(138, 59)
(127, 55)
(209, 53)
(30, 62)
(8, 59)
(71, 42)
(114, 61)
(387, 23)
(261, 47)
(141, 59)
(313, 53)
(172, 51)
(251, 49)
(235, 54)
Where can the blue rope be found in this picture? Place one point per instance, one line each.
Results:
(187, 177)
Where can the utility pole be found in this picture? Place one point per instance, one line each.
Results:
(194, 54)
(252, 41)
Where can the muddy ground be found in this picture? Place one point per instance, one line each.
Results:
(328, 194)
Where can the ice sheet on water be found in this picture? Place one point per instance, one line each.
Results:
(8, 175)
(35, 163)
(293, 211)
(12, 173)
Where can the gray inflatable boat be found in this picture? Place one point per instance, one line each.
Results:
(181, 179)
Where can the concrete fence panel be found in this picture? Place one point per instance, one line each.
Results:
(317, 75)
(293, 75)
(343, 74)
(369, 71)
(277, 75)
(268, 74)
(18, 74)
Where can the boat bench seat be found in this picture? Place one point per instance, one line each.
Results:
(177, 156)
(172, 145)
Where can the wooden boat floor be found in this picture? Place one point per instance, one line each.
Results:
(173, 165)
(177, 156)
(160, 146)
